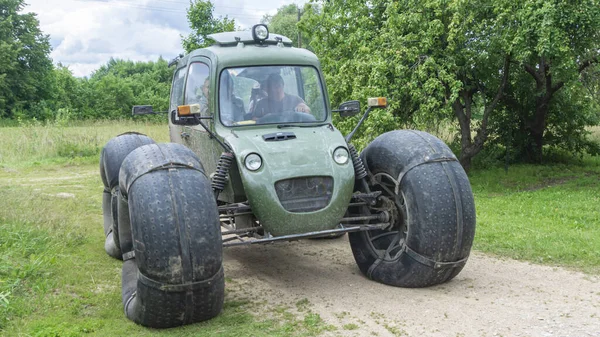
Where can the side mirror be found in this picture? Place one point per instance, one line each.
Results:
(142, 110)
(348, 109)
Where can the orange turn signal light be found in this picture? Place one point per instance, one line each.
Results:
(377, 102)
(188, 110)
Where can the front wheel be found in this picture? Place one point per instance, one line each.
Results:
(170, 238)
(430, 203)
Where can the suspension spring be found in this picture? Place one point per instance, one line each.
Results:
(359, 167)
(219, 179)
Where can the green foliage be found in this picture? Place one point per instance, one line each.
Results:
(25, 66)
(556, 44)
(429, 59)
(109, 93)
(284, 22)
(120, 84)
(203, 23)
(440, 60)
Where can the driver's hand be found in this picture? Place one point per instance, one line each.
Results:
(302, 107)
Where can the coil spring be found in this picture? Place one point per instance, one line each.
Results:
(359, 167)
(219, 179)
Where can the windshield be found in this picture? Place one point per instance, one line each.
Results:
(271, 94)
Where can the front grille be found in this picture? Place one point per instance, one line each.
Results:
(306, 194)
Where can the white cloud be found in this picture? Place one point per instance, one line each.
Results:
(86, 33)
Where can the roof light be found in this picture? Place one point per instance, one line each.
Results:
(260, 32)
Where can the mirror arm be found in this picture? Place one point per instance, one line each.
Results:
(199, 119)
(351, 134)
(212, 135)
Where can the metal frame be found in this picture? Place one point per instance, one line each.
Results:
(248, 236)
(243, 240)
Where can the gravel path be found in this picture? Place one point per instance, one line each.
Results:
(490, 297)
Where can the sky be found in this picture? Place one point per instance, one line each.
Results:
(85, 34)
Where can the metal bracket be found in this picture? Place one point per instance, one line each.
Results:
(369, 198)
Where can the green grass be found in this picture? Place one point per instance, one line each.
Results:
(545, 214)
(61, 142)
(56, 280)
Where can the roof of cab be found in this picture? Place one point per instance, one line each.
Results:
(233, 49)
(232, 38)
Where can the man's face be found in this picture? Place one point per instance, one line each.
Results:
(275, 90)
(205, 89)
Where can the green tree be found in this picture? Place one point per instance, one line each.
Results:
(203, 23)
(115, 87)
(553, 42)
(67, 88)
(25, 66)
(434, 60)
(285, 22)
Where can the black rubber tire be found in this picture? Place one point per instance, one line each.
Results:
(175, 275)
(439, 212)
(111, 157)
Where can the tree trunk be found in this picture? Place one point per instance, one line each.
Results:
(464, 120)
(544, 91)
(537, 127)
(462, 109)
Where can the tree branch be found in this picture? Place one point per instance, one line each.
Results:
(533, 73)
(556, 87)
(481, 136)
(588, 63)
(505, 73)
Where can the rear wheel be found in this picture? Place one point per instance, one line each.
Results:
(428, 198)
(113, 154)
(173, 273)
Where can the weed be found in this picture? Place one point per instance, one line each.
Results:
(350, 326)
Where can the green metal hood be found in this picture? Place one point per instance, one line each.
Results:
(310, 154)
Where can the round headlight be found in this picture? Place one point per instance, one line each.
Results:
(260, 32)
(253, 162)
(340, 155)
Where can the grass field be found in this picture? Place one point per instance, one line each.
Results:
(51, 235)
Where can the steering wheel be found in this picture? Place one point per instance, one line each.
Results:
(287, 116)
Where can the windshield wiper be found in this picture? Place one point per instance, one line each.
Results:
(281, 126)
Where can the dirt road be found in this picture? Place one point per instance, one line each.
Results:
(490, 297)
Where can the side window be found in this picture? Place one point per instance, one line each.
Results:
(197, 86)
(313, 93)
(177, 89)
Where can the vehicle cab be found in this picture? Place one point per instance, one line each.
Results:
(253, 95)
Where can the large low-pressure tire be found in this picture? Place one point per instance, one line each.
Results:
(111, 157)
(433, 212)
(170, 238)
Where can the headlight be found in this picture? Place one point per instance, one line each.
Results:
(253, 162)
(260, 32)
(340, 155)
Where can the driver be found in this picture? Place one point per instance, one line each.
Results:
(277, 100)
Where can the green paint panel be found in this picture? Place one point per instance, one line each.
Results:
(310, 154)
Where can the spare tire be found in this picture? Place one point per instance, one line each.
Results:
(111, 157)
(431, 206)
(173, 270)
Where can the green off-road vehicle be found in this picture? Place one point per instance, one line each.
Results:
(256, 159)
